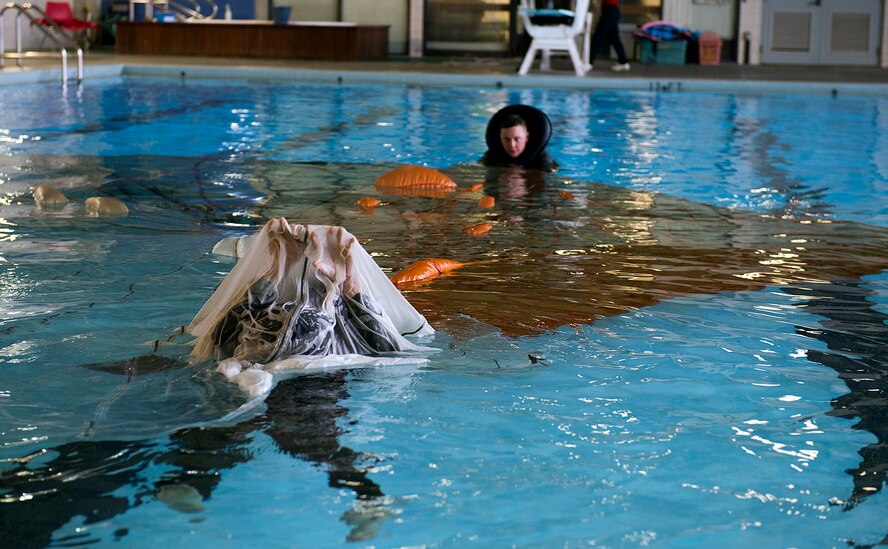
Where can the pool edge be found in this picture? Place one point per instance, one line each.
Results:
(667, 85)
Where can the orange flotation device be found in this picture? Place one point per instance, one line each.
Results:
(44, 195)
(415, 181)
(368, 202)
(477, 230)
(486, 202)
(424, 269)
(103, 205)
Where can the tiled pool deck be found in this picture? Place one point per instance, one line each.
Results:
(480, 71)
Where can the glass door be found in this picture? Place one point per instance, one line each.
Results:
(470, 26)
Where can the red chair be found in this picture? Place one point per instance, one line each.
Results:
(60, 16)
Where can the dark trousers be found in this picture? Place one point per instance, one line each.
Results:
(607, 31)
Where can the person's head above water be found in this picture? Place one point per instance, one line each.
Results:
(517, 135)
(513, 135)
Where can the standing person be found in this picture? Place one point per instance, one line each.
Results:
(607, 31)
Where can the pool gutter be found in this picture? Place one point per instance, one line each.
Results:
(675, 85)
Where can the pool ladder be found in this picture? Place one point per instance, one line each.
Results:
(34, 14)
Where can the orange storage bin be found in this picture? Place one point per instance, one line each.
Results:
(710, 48)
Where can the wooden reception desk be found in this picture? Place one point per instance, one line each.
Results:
(259, 39)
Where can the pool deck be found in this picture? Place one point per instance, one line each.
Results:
(480, 71)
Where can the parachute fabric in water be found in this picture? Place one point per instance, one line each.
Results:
(304, 290)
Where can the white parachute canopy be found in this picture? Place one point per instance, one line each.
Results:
(304, 291)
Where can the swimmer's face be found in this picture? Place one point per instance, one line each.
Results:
(514, 140)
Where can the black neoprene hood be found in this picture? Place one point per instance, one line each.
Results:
(539, 129)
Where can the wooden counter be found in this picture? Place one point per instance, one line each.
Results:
(259, 39)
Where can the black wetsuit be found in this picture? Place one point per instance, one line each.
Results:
(541, 161)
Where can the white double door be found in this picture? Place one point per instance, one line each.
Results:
(821, 32)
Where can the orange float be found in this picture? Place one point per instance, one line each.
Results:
(486, 201)
(424, 269)
(44, 195)
(477, 230)
(368, 202)
(415, 181)
(476, 187)
(103, 205)
(566, 195)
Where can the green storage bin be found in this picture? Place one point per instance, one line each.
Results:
(664, 52)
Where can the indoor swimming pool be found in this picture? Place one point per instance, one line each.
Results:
(678, 340)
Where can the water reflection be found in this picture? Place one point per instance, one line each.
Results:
(84, 478)
(759, 155)
(856, 335)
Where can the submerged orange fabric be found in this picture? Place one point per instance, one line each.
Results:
(479, 229)
(596, 261)
(425, 269)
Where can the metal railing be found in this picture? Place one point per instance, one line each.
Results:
(186, 13)
(38, 19)
(184, 10)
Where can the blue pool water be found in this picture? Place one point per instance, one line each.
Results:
(734, 417)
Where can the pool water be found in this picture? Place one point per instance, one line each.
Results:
(689, 352)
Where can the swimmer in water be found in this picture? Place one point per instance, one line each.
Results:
(517, 135)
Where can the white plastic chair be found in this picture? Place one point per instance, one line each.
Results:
(561, 38)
